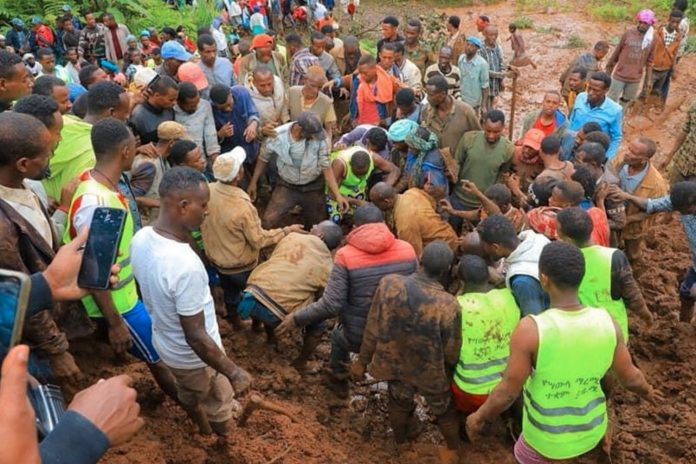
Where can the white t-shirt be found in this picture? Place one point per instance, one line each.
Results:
(173, 282)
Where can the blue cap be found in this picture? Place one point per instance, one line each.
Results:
(17, 22)
(67, 8)
(108, 65)
(145, 33)
(475, 40)
(35, 20)
(400, 129)
(173, 49)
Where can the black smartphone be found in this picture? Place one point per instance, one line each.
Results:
(14, 295)
(153, 81)
(101, 249)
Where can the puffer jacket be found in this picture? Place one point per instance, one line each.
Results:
(372, 252)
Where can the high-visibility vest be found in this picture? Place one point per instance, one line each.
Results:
(124, 294)
(488, 320)
(565, 411)
(595, 288)
(353, 186)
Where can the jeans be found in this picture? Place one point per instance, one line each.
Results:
(233, 285)
(529, 295)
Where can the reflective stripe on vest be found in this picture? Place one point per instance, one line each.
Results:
(595, 288)
(565, 412)
(488, 320)
(124, 294)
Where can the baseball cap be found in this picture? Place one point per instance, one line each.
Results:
(17, 22)
(171, 130)
(26, 56)
(145, 33)
(226, 166)
(532, 138)
(261, 40)
(474, 40)
(66, 8)
(191, 72)
(35, 20)
(173, 49)
(311, 125)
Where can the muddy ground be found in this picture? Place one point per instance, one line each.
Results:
(324, 432)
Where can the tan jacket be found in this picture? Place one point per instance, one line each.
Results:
(232, 232)
(418, 223)
(249, 63)
(295, 273)
(653, 185)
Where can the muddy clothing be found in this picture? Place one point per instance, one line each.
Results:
(295, 273)
(449, 130)
(22, 249)
(371, 253)
(232, 232)
(208, 389)
(652, 185)
(684, 161)
(413, 333)
(630, 57)
(418, 223)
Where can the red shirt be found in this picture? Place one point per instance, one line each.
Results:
(600, 230)
(547, 130)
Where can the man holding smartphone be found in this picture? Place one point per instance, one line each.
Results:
(118, 309)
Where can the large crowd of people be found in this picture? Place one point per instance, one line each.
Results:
(312, 181)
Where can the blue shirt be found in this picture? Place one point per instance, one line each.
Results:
(630, 183)
(221, 72)
(431, 163)
(664, 205)
(474, 79)
(609, 116)
(242, 114)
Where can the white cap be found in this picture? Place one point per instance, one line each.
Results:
(226, 166)
(143, 77)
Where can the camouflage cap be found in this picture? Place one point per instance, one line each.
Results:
(171, 130)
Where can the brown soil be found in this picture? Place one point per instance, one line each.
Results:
(359, 433)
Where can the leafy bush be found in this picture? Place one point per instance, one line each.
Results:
(575, 41)
(609, 12)
(691, 44)
(523, 22)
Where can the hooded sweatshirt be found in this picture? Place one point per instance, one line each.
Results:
(525, 259)
(372, 252)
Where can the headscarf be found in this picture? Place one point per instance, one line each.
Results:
(414, 141)
(648, 17)
(400, 129)
(424, 146)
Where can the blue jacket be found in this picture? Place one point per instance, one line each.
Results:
(242, 114)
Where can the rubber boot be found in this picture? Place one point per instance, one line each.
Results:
(309, 343)
(399, 419)
(686, 312)
(448, 423)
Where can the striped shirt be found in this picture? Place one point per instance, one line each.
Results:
(453, 77)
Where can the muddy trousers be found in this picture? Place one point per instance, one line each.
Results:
(402, 406)
(340, 354)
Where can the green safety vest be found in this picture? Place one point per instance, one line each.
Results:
(565, 411)
(124, 294)
(595, 289)
(488, 320)
(353, 186)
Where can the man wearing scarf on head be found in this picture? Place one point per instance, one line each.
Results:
(423, 159)
(632, 57)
